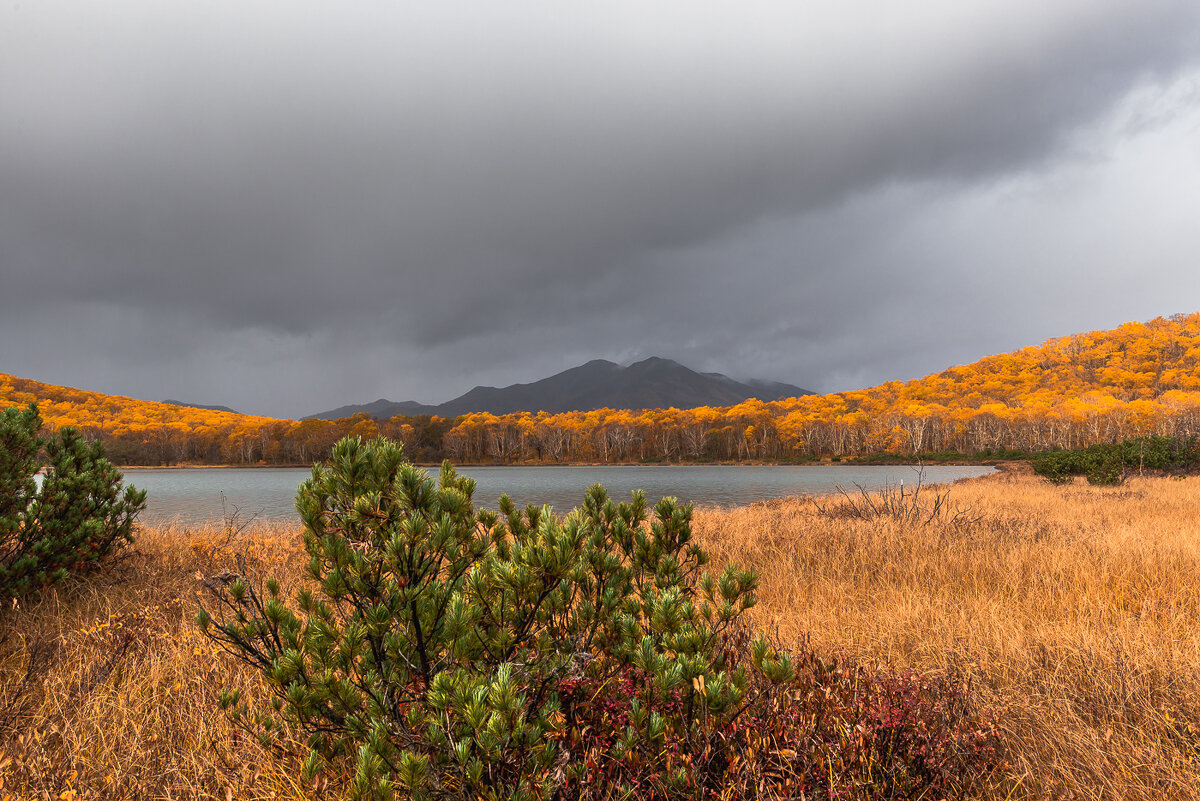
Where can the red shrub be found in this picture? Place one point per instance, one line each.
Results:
(836, 731)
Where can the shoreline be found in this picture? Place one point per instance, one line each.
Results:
(1001, 465)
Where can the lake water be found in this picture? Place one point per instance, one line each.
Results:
(195, 495)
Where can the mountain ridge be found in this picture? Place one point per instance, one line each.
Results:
(212, 407)
(652, 383)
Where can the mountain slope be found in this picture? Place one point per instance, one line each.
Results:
(653, 383)
(83, 408)
(1135, 361)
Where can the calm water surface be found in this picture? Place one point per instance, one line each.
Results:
(195, 495)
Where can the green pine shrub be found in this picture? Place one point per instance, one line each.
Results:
(1106, 467)
(74, 522)
(1058, 467)
(1108, 464)
(1173, 454)
(447, 652)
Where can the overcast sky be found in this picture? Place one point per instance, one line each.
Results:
(288, 205)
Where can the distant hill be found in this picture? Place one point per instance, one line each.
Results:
(211, 408)
(653, 383)
(96, 411)
(382, 409)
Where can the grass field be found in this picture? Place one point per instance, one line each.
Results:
(1073, 612)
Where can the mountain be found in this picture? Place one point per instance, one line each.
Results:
(211, 408)
(382, 409)
(653, 383)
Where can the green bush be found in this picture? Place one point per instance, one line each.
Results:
(442, 650)
(1108, 464)
(74, 522)
(1058, 467)
(447, 652)
(1105, 466)
(1161, 453)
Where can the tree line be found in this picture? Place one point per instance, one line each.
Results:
(1140, 379)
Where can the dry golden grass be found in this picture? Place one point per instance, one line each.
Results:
(1072, 611)
(128, 707)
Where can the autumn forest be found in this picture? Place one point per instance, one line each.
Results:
(1103, 386)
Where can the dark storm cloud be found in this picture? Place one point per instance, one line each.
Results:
(287, 206)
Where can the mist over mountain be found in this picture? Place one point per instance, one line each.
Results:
(653, 383)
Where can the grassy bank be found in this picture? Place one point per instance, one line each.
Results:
(1072, 611)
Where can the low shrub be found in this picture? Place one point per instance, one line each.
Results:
(448, 652)
(1105, 467)
(1058, 467)
(1170, 454)
(833, 731)
(1108, 464)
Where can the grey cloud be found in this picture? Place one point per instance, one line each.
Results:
(407, 199)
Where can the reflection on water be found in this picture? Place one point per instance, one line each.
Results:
(194, 495)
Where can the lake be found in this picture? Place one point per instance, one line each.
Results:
(195, 495)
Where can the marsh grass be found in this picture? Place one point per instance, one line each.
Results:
(1073, 612)
(125, 706)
